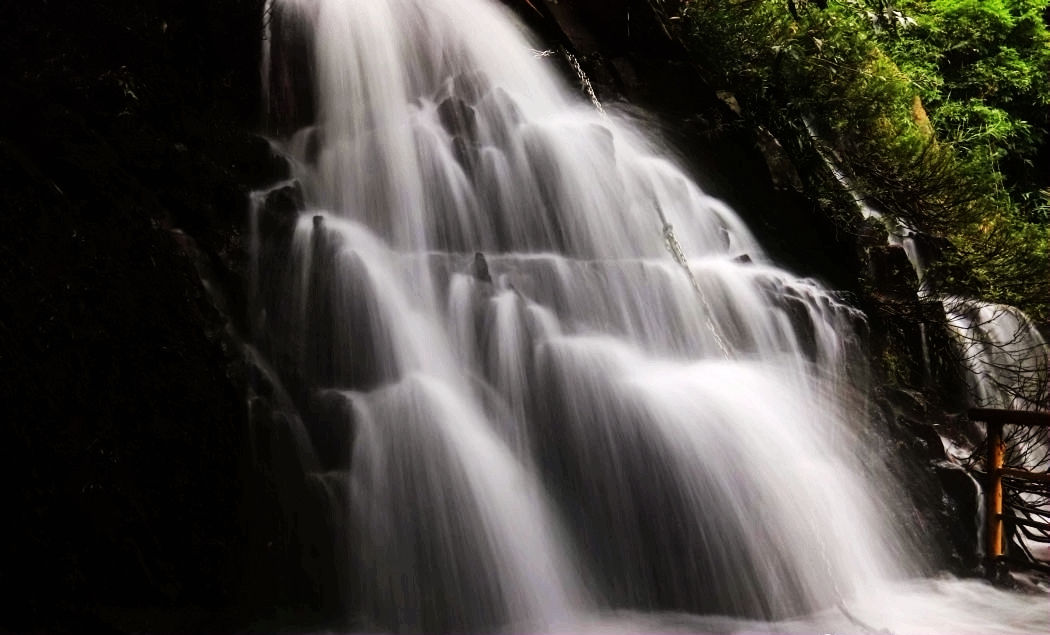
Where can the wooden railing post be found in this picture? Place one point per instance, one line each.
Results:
(994, 544)
(995, 518)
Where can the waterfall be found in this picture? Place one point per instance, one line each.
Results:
(1007, 359)
(528, 418)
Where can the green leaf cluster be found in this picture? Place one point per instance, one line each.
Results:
(986, 71)
(939, 109)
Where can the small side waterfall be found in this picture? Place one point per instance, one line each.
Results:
(527, 415)
(1007, 358)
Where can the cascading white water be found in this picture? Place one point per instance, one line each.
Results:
(1007, 358)
(544, 425)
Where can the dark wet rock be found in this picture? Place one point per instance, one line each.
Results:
(892, 274)
(909, 404)
(916, 416)
(280, 211)
(798, 312)
(459, 118)
(254, 161)
(481, 268)
(330, 418)
(127, 154)
(466, 154)
(110, 365)
(291, 92)
(961, 507)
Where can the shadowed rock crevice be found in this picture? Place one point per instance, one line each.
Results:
(126, 157)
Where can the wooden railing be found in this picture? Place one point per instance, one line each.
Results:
(996, 520)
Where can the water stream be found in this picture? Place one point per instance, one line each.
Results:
(539, 425)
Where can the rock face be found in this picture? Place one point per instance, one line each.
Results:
(122, 145)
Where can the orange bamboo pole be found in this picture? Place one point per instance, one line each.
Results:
(994, 502)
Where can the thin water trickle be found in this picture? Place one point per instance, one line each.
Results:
(546, 423)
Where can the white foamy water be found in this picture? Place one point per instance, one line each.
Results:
(551, 431)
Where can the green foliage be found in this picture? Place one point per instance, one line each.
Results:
(987, 69)
(938, 108)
